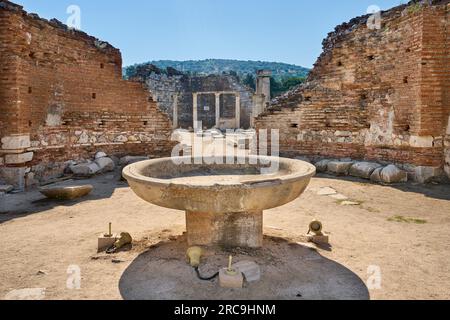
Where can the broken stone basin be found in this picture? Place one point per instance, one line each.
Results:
(224, 203)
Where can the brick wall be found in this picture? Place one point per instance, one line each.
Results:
(373, 94)
(64, 90)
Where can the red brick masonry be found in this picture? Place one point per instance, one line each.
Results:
(62, 97)
(378, 94)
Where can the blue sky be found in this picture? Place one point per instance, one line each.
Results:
(288, 31)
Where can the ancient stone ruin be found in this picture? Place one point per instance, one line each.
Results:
(375, 94)
(219, 101)
(62, 98)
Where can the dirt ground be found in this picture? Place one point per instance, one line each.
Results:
(398, 232)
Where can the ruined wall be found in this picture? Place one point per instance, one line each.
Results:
(166, 89)
(373, 94)
(62, 97)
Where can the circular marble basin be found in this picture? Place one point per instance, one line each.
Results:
(223, 202)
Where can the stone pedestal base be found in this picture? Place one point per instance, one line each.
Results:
(243, 229)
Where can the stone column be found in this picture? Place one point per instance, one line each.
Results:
(242, 229)
(217, 110)
(175, 112)
(263, 84)
(14, 156)
(238, 111)
(194, 110)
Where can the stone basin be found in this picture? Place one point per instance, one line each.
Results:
(66, 192)
(224, 203)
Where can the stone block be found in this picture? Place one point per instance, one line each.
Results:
(322, 165)
(14, 176)
(226, 280)
(85, 169)
(100, 154)
(392, 174)
(19, 158)
(250, 270)
(427, 174)
(104, 242)
(421, 142)
(339, 167)
(16, 142)
(363, 169)
(5, 188)
(318, 239)
(105, 164)
(376, 175)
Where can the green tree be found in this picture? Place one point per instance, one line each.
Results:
(249, 80)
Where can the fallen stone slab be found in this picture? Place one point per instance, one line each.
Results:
(66, 192)
(124, 161)
(339, 197)
(250, 270)
(105, 164)
(85, 169)
(392, 174)
(339, 167)
(326, 191)
(363, 169)
(6, 188)
(322, 165)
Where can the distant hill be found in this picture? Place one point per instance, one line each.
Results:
(217, 66)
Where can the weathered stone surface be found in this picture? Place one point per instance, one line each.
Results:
(318, 239)
(235, 281)
(100, 154)
(104, 242)
(105, 164)
(15, 142)
(339, 167)
(376, 175)
(427, 174)
(363, 169)
(392, 174)
(66, 192)
(19, 158)
(131, 159)
(322, 165)
(250, 270)
(6, 188)
(216, 197)
(85, 169)
(14, 176)
(339, 197)
(326, 191)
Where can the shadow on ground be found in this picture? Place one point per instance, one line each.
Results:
(14, 206)
(439, 191)
(290, 271)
